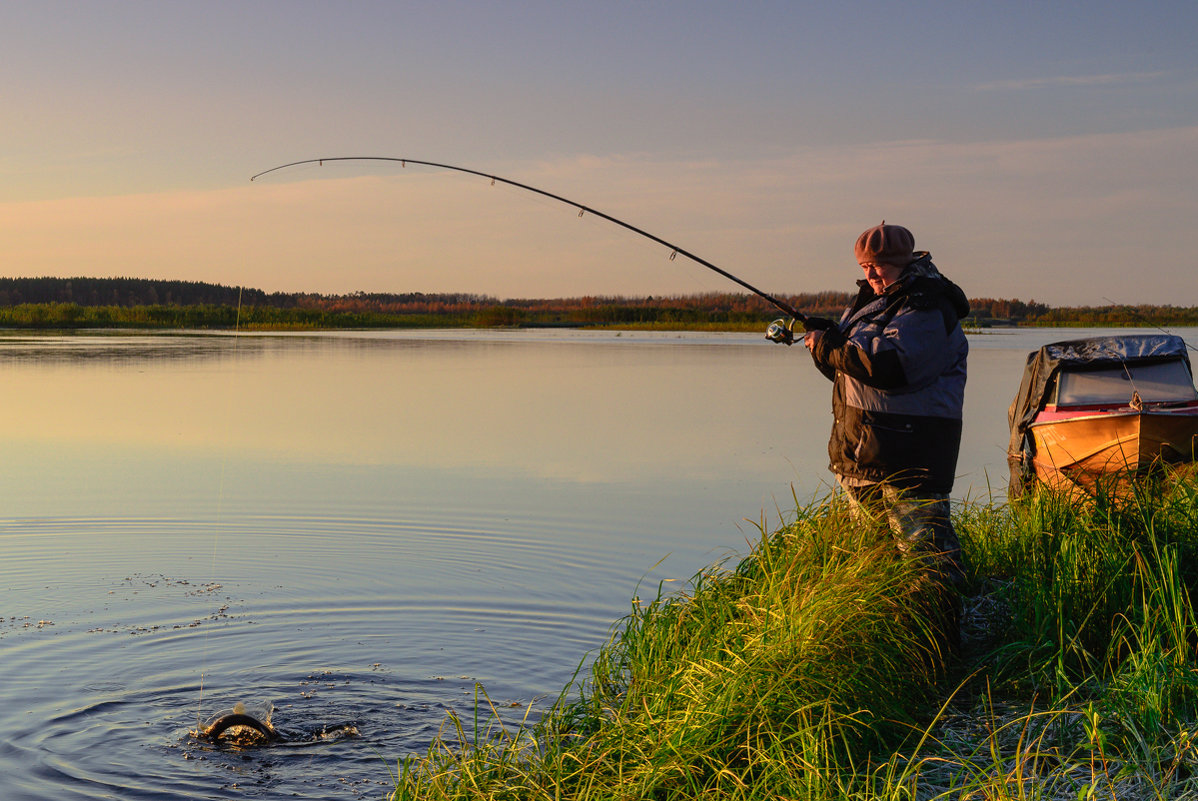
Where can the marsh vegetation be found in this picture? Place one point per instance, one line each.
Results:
(806, 670)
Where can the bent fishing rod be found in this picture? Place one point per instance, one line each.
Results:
(674, 249)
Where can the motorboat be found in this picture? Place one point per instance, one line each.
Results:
(1091, 412)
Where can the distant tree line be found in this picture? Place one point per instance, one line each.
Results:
(146, 303)
(121, 292)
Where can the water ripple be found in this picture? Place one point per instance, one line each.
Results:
(361, 624)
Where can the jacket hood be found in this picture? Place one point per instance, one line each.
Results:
(925, 277)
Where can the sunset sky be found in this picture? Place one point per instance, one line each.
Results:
(1040, 151)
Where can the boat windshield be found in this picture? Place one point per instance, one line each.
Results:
(1163, 382)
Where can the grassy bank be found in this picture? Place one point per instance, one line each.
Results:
(807, 670)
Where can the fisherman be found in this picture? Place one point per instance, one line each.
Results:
(896, 360)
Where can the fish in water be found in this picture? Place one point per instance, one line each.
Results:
(240, 719)
(240, 726)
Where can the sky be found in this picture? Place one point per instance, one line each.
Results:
(1040, 151)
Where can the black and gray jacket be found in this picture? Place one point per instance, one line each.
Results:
(897, 363)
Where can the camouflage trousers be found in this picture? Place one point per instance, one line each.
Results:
(922, 526)
(921, 522)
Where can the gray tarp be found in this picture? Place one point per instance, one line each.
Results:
(1039, 379)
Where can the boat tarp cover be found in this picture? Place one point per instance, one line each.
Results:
(1094, 353)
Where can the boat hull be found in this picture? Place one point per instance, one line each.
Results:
(1088, 449)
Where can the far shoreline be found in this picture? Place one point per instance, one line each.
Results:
(51, 325)
(48, 303)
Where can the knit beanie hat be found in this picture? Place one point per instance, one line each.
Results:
(885, 244)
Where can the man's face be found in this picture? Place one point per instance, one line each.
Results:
(881, 276)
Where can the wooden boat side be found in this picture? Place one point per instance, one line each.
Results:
(1086, 448)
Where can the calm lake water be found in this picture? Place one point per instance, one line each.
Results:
(359, 527)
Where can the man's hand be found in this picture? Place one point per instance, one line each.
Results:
(817, 324)
(812, 337)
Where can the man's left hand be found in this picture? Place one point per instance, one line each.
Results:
(817, 324)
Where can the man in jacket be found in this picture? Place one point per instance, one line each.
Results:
(897, 362)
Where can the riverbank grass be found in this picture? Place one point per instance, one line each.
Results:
(809, 670)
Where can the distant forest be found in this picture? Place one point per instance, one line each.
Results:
(145, 303)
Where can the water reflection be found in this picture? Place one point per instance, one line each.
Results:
(570, 408)
(113, 346)
(582, 407)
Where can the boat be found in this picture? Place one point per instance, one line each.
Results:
(1092, 412)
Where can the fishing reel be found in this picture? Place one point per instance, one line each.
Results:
(780, 330)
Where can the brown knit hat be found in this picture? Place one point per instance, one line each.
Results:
(885, 244)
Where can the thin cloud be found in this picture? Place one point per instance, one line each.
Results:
(1106, 79)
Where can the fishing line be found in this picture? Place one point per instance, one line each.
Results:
(583, 210)
(1145, 320)
(1136, 402)
(220, 505)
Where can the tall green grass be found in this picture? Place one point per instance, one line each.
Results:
(810, 670)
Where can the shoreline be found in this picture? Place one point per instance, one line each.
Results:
(55, 325)
(806, 670)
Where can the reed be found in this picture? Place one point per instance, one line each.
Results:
(809, 670)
